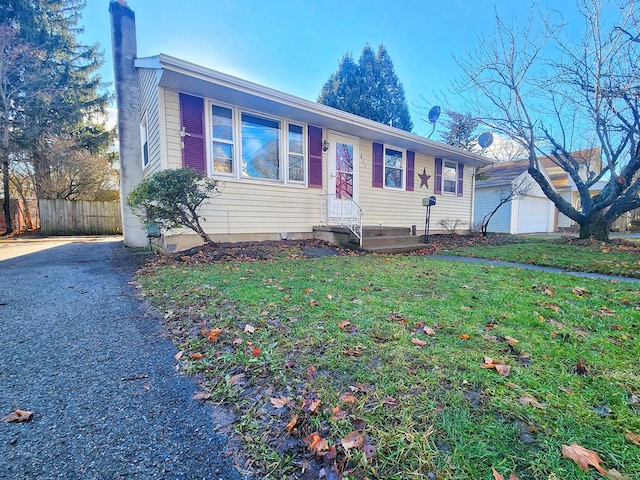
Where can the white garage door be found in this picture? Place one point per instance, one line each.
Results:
(533, 215)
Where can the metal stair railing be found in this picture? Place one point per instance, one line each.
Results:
(345, 212)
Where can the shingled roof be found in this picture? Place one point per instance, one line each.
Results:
(501, 173)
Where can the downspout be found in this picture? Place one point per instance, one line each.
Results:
(123, 41)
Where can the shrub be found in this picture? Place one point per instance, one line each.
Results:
(171, 198)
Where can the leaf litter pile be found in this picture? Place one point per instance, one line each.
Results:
(405, 367)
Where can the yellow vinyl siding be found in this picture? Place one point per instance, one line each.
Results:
(172, 122)
(400, 208)
(149, 106)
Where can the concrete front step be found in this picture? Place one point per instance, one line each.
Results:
(389, 240)
(405, 248)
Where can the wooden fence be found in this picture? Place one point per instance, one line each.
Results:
(66, 217)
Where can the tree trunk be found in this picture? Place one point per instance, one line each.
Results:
(7, 199)
(595, 227)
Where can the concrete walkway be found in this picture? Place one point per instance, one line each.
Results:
(527, 266)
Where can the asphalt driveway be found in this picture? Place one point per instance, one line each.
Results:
(82, 352)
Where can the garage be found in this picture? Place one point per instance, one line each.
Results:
(533, 214)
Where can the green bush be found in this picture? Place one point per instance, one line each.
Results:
(171, 198)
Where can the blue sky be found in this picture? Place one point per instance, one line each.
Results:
(294, 45)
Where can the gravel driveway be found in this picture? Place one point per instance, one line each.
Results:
(82, 352)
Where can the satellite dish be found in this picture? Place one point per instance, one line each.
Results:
(434, 114)
(485, 140)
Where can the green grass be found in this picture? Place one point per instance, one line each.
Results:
(430, 409)
(598, 258)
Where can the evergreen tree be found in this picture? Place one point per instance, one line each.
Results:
(77, 98)
(369, 88)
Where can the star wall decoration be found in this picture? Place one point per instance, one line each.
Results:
(424, 178)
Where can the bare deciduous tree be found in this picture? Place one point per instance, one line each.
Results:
(554, 95)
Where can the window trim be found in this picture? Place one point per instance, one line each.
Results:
(283, 146)
(304, 155)
(455, 180)
(144, 140)
(403, 168)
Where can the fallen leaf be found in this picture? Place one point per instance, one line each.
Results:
(338, 413)
(503, 370)
(344, 324)
(583, 457)
(429, 331)
(178, 355)
(17, 416)
(308, 290)
(316, 443)
(550, 306)
(466, 309)
(579, 291)
(329, 297)
(311, 371)
(235, 379)
(310, 405)
(527, 399)
(348, 397)
(418, 342)
(280, 402)
(398, 318)
(202, 396)
(256, 352)
(369, 451)
(581, 367)
(249, 329)
(511, 340)
(196, 356)
(313, 303)
(615, 475)
(547, 291)
(464, 336)
(237, 341)
(497, 476)
(355, 351)
(633, 437)
(615, 327)
(512, 385)
(292, 423)
(213, 334)
(352, 440)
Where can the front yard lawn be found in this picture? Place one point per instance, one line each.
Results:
(405, 367)
(615, 258)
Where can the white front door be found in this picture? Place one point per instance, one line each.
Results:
(343, 177)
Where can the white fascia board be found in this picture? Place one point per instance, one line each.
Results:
(376, 129)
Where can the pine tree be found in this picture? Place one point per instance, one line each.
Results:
(369, 88)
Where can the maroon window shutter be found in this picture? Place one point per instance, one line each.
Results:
(460, 178)
(411, 169)
(378, 165)
(192, 126)
(438, 184)
(315, 156)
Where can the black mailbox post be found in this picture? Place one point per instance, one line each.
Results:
(428, 202)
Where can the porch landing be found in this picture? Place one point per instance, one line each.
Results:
(375, 239)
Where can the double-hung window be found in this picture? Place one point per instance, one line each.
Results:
(449, 177)
(296, 153)
(260, 147)
(222, 140)
(393, 168)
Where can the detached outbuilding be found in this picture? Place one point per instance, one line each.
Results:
(529, 211)
(288, 167)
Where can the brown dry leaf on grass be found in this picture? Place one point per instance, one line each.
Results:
(280, 402)
(316, 443)
(429, 331)
(348, 397)
(17, 416)
(633, 437)
(497, 476)
(527, 399)
(352, 440)
(583, 457)
(501, 368)
(292, 423)
(338, 413)
(249, 328)
(310, 405)
(417, 342)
